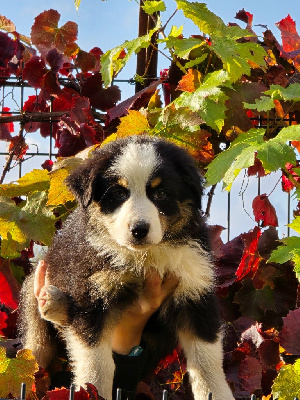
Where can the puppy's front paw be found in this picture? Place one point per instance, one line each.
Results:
(54, 307)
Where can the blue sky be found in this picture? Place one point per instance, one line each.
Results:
(109, 23)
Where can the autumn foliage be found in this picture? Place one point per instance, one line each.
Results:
(230, 98)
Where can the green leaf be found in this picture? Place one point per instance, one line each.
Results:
(111, 64)
(182, 47)
(263, 104)
(18, 225)
(286, 384)
(229, 162)
(151, 7)
(208, 100)
(206, 20)
(289, 250)
(290, 93)
(36, 180)
(234, 55)
(295, 224)
(274, 154)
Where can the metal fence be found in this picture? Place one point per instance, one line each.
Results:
(118, 395)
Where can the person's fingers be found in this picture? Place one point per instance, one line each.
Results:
(169, 284)
(39, 278)
(153, 283)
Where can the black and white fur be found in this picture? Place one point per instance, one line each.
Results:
(139, 208)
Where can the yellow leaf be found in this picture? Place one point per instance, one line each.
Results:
(134, 123)
(59, 192)
(14, 371)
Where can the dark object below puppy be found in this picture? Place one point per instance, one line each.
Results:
(139, 208)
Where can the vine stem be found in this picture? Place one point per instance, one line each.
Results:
(209, 202)
(7, 166)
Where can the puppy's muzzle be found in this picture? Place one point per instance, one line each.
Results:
(139, 230)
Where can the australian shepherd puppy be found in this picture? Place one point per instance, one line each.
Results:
(139, 208)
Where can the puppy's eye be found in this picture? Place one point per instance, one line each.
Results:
(120, 194)
(160, 194)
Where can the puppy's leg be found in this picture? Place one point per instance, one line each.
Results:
(55, 305)
(204, 364)
(36, 333)
(92, 363)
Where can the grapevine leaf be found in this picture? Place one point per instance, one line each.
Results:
(3, 325)
(190, 82)
(45, 31)
(59, 192)
(290, 250)
(14, 371)
(290, 334)
(18, 225)
(286, 384)
(151, 7)
(182, 47)
(9, 288)
(34, 72)
(234, 55)
(250, 259)
(6, 24)
(36, 180)
(208, 100)
(100, 98)
(289, 93)
(273, 154)
(134, 123)
(250, 373)
(265, 103)
(295, 224)
(264, 211)
(112, 63)
(8, 49)
(290, 37)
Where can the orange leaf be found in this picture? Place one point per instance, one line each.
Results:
(190, 82)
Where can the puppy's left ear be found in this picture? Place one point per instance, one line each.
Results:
(81, 182)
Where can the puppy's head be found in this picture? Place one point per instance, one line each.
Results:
(141, 190)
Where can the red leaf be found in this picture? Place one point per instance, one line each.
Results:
(257, 168)
(141, 97)
(18, 147)
(251, 258)
(8, 49)
(6, 128)
(48, 165)
(45, 31)
(290, 335)
(289, 34)
(63, 394)
(100, 98)
(250, 373)
(269, 353)
(245, 16)
(55, 60)
(264, 211)
(36, 104)
(3, 318)
(9, 288)
(34, 71)
(290, 37)
(80, 111)
(287, 184)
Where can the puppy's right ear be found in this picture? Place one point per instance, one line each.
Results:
(81, 183)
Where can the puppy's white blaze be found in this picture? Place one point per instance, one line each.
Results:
(136, 209)
(136, 164)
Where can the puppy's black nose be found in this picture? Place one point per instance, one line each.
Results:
(140, 230)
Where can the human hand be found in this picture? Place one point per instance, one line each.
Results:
(128, 332)
(40, 282)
